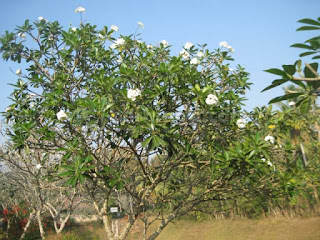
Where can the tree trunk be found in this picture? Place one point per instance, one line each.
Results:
(42, 233)
(27, 225)
(162, 226)
(304, 157)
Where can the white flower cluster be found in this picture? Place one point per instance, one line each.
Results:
(18, 72)
(140, 25)
(184, 54)
(101, 36)
(38, 166)
(22, 35)
(188, 45)
(164, 43)
(268, 162)
(132, 94)
(226, 45)
(117, 43)
(200, 54)
(80, 10)
(42, 19)
(61, 115)
(269, 138)
(114, 28)
(194, 61)
(292, 103)
(119, 60)
(74, 29)
(241, 123)
(211, 99)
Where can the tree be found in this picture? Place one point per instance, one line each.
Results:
(109, 106)
(29, 181)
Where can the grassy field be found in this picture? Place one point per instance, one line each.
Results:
(240, 229)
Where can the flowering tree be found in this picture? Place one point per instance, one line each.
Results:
(109, 105)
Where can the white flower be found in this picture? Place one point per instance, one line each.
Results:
(18, 72)
(74, 29)
(263, 159)
(31, 95)
(194, 61)
(164, 43)
(21, 35)
(231, 49)
(132, 94)
(188, 45)
(184, 54)
(40, 18)
(114, 28)
(119, 60)
(241, 123)
(38, 166)
(200, 54)
(117, 43)
(224, 44)
(269, 138)
(292, 103)
(269, 163)
(80, 10)
(140, 25)
(61, 115)
(120, 41)
(211, 99)
(150, 47)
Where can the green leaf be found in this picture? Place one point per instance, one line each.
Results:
(276, 71)
(285, 97)
(305, 105)
(298, 63)
(305, 28)
(275, 83)
(67, 173)
(306, 54)
(290, 69)
(308, 73)
(309, 21)
(300, 45)
(146, 142)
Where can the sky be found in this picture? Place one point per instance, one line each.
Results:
(260, 31)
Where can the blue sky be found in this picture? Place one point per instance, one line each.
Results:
(261, 31)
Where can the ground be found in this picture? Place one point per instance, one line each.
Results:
(238, 229)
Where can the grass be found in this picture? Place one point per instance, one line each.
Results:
(238, 229)
(266, 229)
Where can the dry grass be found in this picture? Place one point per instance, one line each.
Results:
(239, 229)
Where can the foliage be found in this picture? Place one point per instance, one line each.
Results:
(307, 77)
